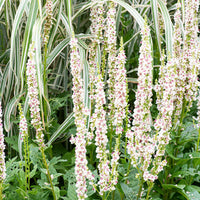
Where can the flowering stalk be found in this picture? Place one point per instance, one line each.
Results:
(180, 72)
(97, 19)
(47, 28)
(190, 58)
(2, 156)
(163, 123)
(48, 23)
(24, 136)
(141, 146)
(111, 39)
(35, 109)
(80, 114)
(98, 124)
(120, 104)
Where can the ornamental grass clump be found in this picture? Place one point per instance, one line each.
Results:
(80, 113)
(2, 155)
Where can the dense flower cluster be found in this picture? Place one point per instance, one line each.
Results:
(166, 90)
(114, 165)
(190, 60)
(23, 129)
(110, 42)
(180, 72)
(2, 148)
(141, 146)
(120, 92)
(47, 25)
(98, 122)
(97, 20)
(80, 112)
(34, 102)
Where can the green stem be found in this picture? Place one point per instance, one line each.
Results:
(104, 196)
(1, 191)
(198, 141)
(140, 189)
(183, 113)
(45, 83)
(48, 173)
(149, 190)
(113, 195)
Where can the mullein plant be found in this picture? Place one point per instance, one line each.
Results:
(110, 42)
(47, 28)
(97, 20)
(23, 131)
(34, 104)
(48, 23)
(187, 81)
(190, 60)
(108, 174)
(2, 156)
(99, 126)
(141, 145)
(180, 72)
(120, 105)
(80, 114)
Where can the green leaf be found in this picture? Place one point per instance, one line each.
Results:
(27, 37)
(57, 50)
(156, 24)
(15, 26)
(8, 111)
(62, 128)
(1, 4)
(57, 192)
(71, 192)
(129, 193)
(169, 150)
(132, 11)
(177, 188)
(168, 27)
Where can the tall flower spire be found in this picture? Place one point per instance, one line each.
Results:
(110, 42)
(34, 102)
(141, 146)
(190, 58)
(98, 124)
(80, 112)
(47, 25)
(180, 72)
